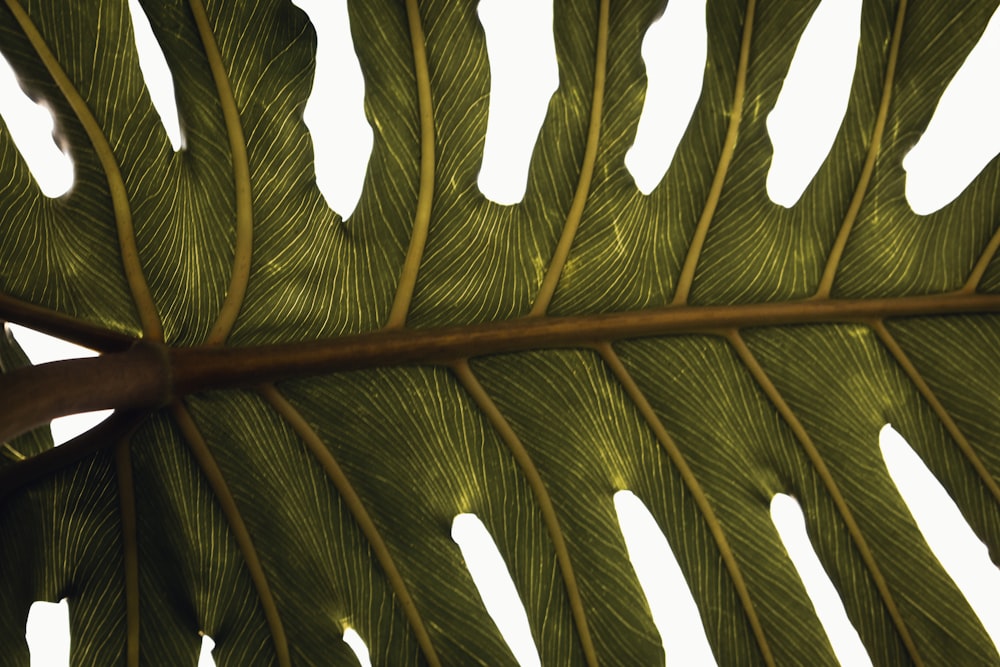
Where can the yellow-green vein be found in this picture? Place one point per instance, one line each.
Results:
(217, 482)
(485, 403)
(148, 317)
(551, 279)
(979, 269)
(610, 357)
(130, 548)
(833, 259)
(949, 424)
(357, 509)
(241, 181)
(425, 196)
(686, 278)
(819, 465)
(8, 450)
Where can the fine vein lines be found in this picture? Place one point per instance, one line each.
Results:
(425, 197)
(833, 260)
(982, 264)
(555, 269)
(809, 447)
(130, 549)
(686, 277)
(241, 181)
(216, 480)
(516, 447)
(956, 434)
(697, 493)
(148, 316)
(354, 504)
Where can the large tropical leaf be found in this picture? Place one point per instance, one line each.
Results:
(339, 390)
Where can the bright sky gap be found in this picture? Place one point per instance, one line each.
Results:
(205, 657)
(155, 71)
(791, 525)
(963, 555)
(518, 40)
(357, 644)
(670, 601)
(47, 633)
(42, 348)
(674, 51)
(492, 578)
(30, 125)
(963, 135)
(335, 114)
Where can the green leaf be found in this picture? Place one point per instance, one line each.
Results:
(341, 389)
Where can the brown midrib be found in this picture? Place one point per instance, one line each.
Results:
(201, 368)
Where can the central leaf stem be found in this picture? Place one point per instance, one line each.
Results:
(149, 375)
(202, 368)
(138, 378)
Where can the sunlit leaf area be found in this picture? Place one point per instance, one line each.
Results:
(730, 491)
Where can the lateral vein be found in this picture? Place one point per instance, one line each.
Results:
(425, 196)
(243, 251)
(942, 413)
(686, 278)
(322, 454)
(130, 548)
(217, 482)
(559, 257)
(611, 358)
(139, 289)
(819, 465)
(63, 326)
(837, 251)
(979, 269)
(482, 399)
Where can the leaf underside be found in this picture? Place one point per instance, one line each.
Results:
(272, 518)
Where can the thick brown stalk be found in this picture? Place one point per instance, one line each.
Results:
(203, 368)
(136, 379)
(149, 375)
(106, 434)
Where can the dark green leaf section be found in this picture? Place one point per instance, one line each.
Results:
(61, 539)
(757, 250)
(315, 274)
(956, 356)
(741, 455)
(854, 388)
(316, 558)
(13, 357)
(418, 467)
(621, 258)
(593, 446)
(191, 575)
(61, 253)
(485, 261)
(921, 254)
